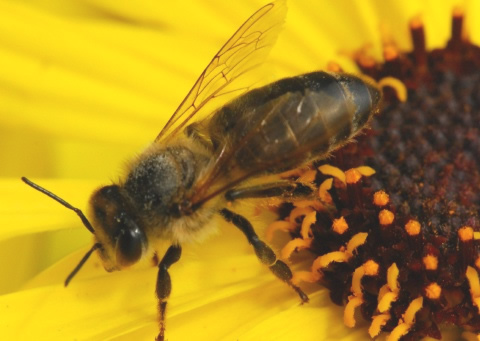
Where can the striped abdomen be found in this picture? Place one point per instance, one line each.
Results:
(286, 123)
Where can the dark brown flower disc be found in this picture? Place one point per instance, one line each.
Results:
(420, 211)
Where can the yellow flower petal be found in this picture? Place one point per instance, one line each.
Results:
(84, 85)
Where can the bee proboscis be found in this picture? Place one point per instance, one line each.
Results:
(199, 162)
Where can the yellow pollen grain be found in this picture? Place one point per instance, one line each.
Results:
(430, 262)
(349, 312)
(397, 85)
(307, 223)
(412, 309)
(392, 277)
(386, 217)
(385, 302)
(477, 262)
(365, 170)
(433, 291)
(296, 244)
(340, 225)
(413, 227)
(465, 233)
(378, 322)
(473, 280)
(357, 276)
(333, 171)
(380, 198)
(389, 292)
(323, 189)
(279, 225)
(356, 241)
(298, 212)
(325, 260)
(409, 318)
(476, 235)
(371, 268)
(398, 332)
(308, 176)
(306, 276)
(352, 176)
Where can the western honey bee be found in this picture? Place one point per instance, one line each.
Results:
(198, 163)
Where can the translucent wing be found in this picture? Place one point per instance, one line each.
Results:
(206, 187)
(281, 126)
(244, 51)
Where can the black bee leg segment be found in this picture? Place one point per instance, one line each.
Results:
(281, 189)
(164, 284)
(264, 253)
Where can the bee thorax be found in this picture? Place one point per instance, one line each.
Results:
(157, 185)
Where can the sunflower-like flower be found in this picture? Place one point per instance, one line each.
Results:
(86, 84)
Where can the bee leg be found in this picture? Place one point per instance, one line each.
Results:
(264, 253)
(164, 285)
(281, 189)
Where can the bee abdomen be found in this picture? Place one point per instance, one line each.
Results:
(303, 117)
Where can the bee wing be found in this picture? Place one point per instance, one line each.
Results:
(244, 51)
(206, 189)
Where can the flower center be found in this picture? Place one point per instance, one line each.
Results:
(401, 245)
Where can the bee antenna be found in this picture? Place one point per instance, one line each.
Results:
(62, 202)
(82, 261)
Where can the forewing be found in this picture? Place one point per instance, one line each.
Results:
(206, 188)
(223, 77)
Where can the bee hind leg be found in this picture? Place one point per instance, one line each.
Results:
(164, 285)
(264, 253)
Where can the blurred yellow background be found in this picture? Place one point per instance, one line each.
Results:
(86, 84)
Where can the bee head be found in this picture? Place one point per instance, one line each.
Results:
(120, 242)
(123, 241)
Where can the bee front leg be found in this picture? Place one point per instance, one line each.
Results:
(264, 253)
(164, 285)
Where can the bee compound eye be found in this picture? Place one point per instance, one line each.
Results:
(130, 245)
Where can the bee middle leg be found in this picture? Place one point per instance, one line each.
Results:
(164, 285)
(281, 189)
(264, 253)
